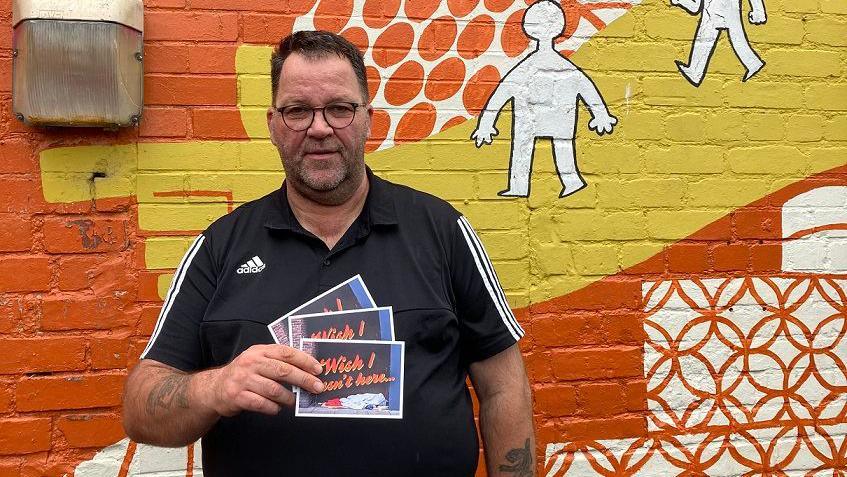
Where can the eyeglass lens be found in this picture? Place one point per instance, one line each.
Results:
(337, 115)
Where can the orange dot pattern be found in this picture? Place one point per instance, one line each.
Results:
(437, 38)
(393, 44)
(404, 84)
(357, 36)
(454, 121)
(432, 64)
(479, 88)
(416, 124)
(498, 5)
(460, 8)
(419, 10)
(512, 38)
(333, 15)
(374, 80)
(445, 79)
(476, 37)
(379, 13)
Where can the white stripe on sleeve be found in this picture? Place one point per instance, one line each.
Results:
(173, 291)
(489, 277)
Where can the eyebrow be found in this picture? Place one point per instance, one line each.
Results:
(333, 99)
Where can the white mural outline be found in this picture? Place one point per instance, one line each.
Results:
(545, 89)
(715, 16)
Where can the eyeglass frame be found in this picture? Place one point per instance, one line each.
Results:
(281, 111)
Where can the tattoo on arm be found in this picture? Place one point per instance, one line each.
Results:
(171, 392)
(520, 461)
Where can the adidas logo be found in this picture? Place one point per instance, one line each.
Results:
(254, 265)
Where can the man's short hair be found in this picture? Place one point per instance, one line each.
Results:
(316, 45)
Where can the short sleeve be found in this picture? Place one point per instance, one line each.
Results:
(176, 338)
(487, 324)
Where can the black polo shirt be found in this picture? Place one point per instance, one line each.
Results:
(415, 253)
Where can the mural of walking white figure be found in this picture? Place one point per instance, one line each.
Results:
(545, 89)
(717, 15)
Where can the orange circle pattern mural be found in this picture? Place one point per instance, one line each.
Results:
(456, 46)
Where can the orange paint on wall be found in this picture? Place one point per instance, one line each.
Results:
(445, 79)
(405, 83)
(416, 124)
(393, 44)
(437, 38)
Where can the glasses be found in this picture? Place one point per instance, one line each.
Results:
(299, 117)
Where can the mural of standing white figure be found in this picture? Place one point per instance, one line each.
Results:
(717, 15)
(545, 89)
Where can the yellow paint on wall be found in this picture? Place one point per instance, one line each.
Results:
(67, 173)
(188, 156)
(253, 59)
(177, 217)
(164, 252)
(163, 282)
(254, 90)
(255, 121)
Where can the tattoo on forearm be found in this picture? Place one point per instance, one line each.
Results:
(171, 392)
(520, 461)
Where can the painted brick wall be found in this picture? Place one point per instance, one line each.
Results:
(685, 310)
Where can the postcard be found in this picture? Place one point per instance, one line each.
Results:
(368, 324)
(351, 294)
(362, 379)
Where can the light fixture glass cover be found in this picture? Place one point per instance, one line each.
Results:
(81, 70)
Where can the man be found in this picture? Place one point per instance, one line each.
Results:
(210, 371)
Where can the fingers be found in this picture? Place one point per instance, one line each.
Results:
(480, 141)
(250, 401)
(253, 392)
(269, 390)
(604, 126)
(484, 137)
(292, 366)
(255, 379)
(283, 372)
(291, 356)
(592, 125)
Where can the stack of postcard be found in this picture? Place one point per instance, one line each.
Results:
(353, 340)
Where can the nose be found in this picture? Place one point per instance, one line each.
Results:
(319, 126)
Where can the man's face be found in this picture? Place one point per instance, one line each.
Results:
(322, 163)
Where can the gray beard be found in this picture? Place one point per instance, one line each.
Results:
(330, 194)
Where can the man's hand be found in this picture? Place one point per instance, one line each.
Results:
(602, 123)
(757, 17)
(484, 135)
(254, 380)
(165, 406)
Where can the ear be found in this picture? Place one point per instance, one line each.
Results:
(270, 117)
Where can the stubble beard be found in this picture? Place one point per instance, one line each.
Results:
(336, 189)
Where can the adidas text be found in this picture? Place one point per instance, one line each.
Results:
(254, 265)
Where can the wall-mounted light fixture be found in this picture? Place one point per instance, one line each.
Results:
(78, 62)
